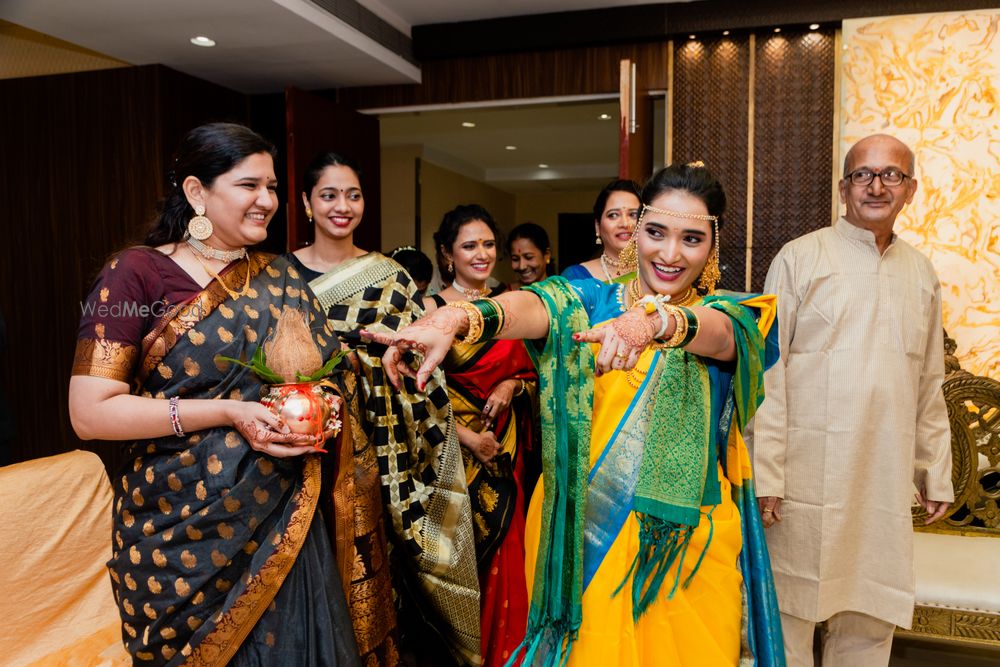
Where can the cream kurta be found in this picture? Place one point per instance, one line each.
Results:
(854, 416)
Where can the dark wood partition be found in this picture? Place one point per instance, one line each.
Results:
(84, 162)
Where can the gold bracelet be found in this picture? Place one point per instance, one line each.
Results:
(475, 317)
(521, 388)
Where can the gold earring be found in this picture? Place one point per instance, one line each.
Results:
(309, 213)
(597, 238)
(451, 266)
(628, 258)
(199, 227)
(711, 274)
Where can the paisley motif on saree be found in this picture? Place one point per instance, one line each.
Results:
(206, 529)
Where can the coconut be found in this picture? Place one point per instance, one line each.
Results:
(292, 350)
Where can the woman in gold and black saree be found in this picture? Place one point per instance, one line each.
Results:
(219, 554)
(405, 447)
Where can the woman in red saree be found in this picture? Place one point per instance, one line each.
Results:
(491, 386)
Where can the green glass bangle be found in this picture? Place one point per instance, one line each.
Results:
(692, 328)
(492, 317)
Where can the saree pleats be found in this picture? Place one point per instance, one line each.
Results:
(419, 465)
(496, 489)
(207, 531)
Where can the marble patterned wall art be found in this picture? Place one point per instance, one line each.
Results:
(933, 80)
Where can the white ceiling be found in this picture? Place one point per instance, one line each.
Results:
(262, 45)
(580, 149)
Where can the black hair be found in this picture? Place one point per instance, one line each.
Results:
(695, 179)
(453, 221)
(620, 185)
(534, 233)
(315, 169)
(416, 263)
(207, 152)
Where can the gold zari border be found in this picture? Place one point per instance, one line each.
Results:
(220, 645)
(105, 359)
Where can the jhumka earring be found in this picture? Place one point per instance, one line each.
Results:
(710, 275)
(451, 266)
(597, 238)
(199, 227)
(309, 214)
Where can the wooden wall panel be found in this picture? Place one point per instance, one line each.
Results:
(793, 140)
(710, 98)
(583, 71)
(84, 163)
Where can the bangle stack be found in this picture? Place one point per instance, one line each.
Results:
(486, 319)
(175, 419)
(685, 326)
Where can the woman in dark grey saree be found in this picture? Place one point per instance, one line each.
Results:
(219, 554)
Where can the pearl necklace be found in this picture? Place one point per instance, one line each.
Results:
(470, 293)
(607, 261)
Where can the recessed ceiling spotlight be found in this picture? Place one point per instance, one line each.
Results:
(201, 40)
(725, 32)
(777, 29)
(814, 26)
(468, 124)
(511, 148)
(692, 37)
(605, 116)
(542, 165)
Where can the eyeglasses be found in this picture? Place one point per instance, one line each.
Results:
(888, 177)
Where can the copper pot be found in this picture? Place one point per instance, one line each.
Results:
(309, 408)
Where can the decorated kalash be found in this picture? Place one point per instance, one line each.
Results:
(298, 392)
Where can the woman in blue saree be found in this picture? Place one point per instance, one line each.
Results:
(645, 544)
(219, 555)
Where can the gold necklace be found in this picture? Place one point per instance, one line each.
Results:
(470, 293)
(234, 295)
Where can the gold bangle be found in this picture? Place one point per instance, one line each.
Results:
(475, 318)
(521, 388)
(680, 326)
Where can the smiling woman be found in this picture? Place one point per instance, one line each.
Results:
(219, 554)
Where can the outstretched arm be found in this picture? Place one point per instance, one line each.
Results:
(432, 335)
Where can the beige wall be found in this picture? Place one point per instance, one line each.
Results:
(543, 208)
(399, 195)
(933, 80)
(442, 190)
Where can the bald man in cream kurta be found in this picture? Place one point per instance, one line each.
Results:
(854, 418)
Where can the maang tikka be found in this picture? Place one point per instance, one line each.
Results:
(199, 227)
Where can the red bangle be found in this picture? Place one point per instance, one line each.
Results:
(175, 420)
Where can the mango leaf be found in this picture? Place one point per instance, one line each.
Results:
(325, 370)
(257, 366)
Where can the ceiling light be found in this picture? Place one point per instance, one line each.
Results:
(605, 116)
(201, 40)
(777, 29)
(543, 166)
(814, 26)
(468, 124)
(511, 148)
(692, 37)
(725, 32)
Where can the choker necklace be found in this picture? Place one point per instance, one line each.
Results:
(619, 267)
(208, 252)
(470, 293)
